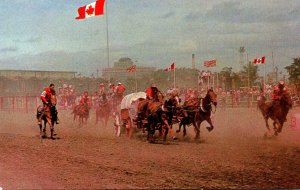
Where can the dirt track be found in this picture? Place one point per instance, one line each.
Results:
(234, 155)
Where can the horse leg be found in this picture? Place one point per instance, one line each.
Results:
(49, 121)
(179, 128)
(184, 130)
(275, 124)
(44, 134)
(197, 129)
(211, 127)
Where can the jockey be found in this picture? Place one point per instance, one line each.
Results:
(85, 100)
(101, 89)
(278, 91)
(46, 99)
(111, 89)
(119, 90)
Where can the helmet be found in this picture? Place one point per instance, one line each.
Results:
(119, 83)
(101, 84)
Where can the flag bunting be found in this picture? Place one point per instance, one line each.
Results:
(210, 63)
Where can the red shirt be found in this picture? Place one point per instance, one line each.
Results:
(120, 89)
(149, 92)
(46, 95)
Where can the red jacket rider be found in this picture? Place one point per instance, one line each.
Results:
(278, 91)
(119, 90)
(46, 94)
(46, 99)
(149, 92)
(85, 100)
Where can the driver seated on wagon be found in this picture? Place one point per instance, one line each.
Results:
(151, 92)
(46, 99)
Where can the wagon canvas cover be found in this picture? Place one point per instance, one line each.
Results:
(128, 99)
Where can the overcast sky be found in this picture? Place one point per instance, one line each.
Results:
(44, 35)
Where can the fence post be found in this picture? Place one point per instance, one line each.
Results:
(13, 104)
(26, 103)
(1, 103)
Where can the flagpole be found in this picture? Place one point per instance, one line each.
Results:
(264, 76)
(174, 76)
(135, 80)
(107, 40)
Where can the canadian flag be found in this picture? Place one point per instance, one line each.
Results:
(259, 61)
(93, 9)
(172, 67)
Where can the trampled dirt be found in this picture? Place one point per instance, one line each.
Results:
(234, 155)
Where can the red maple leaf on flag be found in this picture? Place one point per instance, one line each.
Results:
(90, 10)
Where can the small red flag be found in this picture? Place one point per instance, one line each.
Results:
(131, 68)
(259, 61)
(210, 63)
(172, 67)
(93, 9)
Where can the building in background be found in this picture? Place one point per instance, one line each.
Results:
(119, 70)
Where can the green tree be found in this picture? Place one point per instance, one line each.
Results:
(249, 73)
(294, 71)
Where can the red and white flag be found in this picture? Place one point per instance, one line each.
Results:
(210, 63)
(172, 67)
(259, 61)
(93, 9)
(131, 68)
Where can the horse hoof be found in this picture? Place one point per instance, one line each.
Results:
(44, 136)
(209, 129)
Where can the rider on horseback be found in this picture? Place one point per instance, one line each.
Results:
(46, 99)
(101, 89)
(278, 91)
(119, 91)
(85, 100)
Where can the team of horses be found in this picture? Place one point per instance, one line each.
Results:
(160, 114)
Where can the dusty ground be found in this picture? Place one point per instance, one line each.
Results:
(234, 155)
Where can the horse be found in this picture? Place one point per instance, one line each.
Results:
(197, 110)
(82, 111)
(277, 113)
(160, 117)
(142, 108)
(103, 110)
(48, 113)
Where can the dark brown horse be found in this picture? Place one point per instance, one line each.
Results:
(277, 113)
(197, 110)
(103, 110)
(160, 117)
(49, 116)
(81, 111)
(142, 109)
